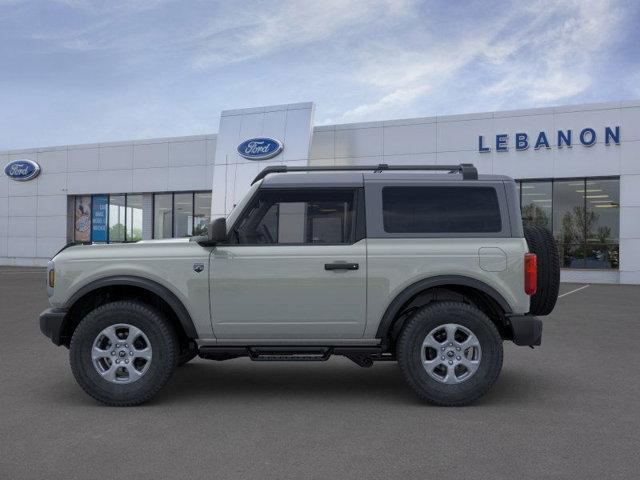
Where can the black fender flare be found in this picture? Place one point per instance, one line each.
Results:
(438, 281)
(151, 286)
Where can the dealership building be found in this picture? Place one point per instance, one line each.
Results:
(577, 167)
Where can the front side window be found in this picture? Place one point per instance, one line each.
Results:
(433, 210)
(296, 217)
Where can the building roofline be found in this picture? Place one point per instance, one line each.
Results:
(568, 108)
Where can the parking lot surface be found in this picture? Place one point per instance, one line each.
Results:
(569, 409)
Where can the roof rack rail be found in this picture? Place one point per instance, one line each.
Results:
(468, 171)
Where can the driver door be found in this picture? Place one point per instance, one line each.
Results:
(294, 268)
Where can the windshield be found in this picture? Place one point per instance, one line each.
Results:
(239, 207)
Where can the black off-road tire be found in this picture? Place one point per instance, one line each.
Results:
(186, 354)
(542, 243)
(164, 351)
(409, 348)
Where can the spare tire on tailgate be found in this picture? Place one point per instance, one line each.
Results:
(542, 243)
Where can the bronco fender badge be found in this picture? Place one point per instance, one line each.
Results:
(198, 267)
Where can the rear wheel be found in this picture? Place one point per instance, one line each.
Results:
(123, 353)
(450, 353)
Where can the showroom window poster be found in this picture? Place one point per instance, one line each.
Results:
(99, 213)
(82, 228)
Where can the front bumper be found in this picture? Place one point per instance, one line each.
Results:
(51, 322)
(527, 330)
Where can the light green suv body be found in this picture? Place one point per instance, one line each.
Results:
(229, 295)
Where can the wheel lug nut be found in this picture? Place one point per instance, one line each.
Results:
(450, 344)
(458, 348)
(126, 361)
(457, 358)
(442, 358)
(442, 349)
(118, 361)
(131, 353)
(113, 352)
(450, 362)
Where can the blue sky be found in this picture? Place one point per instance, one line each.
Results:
(76, 71)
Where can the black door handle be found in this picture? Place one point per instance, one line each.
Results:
(341, 266)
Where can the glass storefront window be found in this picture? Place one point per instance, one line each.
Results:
(583, 214)
(162, 215)
(536, 203)
(603, 223)
(82, 219)
(569, 222)
(183, 215)
(603, 209)
(134, 218)
(201, 213)
(117, 218)
(99, 217)
(568, 211)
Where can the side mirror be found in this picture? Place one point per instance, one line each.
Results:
(217, 231)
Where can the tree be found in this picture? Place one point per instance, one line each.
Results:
(116, 232)
(532, 214)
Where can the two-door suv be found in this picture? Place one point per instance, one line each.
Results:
(434, 270)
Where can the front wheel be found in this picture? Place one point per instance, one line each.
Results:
(123, 353)
(450, 353)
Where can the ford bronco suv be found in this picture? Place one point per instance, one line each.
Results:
(379, 263)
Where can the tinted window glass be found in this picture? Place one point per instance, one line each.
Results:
(440, 210)
(298, 217)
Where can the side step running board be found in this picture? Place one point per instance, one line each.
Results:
(296, 354)
(363, 356)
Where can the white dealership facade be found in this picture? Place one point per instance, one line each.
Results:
(578, 167)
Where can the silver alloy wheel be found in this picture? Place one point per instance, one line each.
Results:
(451, 353)
(121, 353)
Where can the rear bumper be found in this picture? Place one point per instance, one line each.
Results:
(51, 321)
(527, 330)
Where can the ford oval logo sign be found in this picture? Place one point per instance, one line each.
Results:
(260, 148)
(22, 170)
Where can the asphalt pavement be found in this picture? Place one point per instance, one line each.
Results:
(568, 409)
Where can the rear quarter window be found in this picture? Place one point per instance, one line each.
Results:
(441, 210)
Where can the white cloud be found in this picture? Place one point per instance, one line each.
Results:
(555, 63)
(165, 67)
(544, 52)
(254, 33)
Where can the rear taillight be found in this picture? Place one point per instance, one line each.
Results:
(530, 273)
